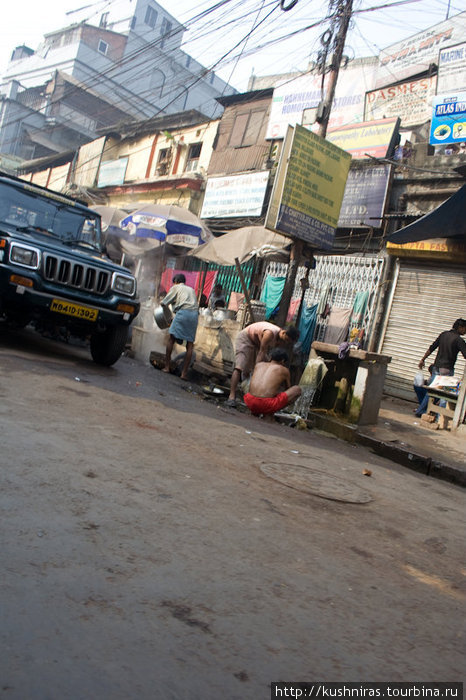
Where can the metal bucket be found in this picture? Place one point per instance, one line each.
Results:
(163, 317)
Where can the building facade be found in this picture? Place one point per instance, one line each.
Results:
(124, 60)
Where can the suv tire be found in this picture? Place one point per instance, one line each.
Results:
(107, 347)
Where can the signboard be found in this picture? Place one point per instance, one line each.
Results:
(452, 70)
(411, 101)
(304, 93)
(235, 195)
(448, 123)
(375, 138)
(415, 54)
(307, 197)
(112, 172)
(365, 196)
(435, 248)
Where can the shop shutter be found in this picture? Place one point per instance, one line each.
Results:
(427, 300)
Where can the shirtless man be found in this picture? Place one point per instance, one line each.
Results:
(266, 394)
(252, 345)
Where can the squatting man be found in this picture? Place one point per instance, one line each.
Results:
(252, 345)
(270, 388)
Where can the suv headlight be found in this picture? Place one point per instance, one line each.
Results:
(24, 255)
(125, 284)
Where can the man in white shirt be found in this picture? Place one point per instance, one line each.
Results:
(184, 325)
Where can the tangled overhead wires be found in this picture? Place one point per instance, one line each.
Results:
(286, 8)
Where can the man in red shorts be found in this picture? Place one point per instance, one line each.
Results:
(252, 345)
(270, 390)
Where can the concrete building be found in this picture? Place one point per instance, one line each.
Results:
(123, 60)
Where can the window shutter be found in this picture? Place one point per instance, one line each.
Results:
(238, 131)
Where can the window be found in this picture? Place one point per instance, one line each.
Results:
(103, 19)
(163, 161)
(133, 21)
(165, 30)
(151, 17)
(102, 47)
(212, 78)
(246, 129)
(192, 160)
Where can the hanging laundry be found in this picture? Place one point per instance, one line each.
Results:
(209, 281)
(168, 274)
(272, 293)
(307, 326)
(293, 309)
(323, 300)
(359, 308)
(235, 300)
(338, 324)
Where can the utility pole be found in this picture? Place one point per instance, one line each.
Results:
(340, 23)
(333, 40)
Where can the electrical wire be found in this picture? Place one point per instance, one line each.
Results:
(243, 53)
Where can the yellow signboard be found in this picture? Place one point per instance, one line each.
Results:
(375, 138)
(309, 188)
(436, 248)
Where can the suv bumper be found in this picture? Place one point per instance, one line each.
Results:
(25, 292)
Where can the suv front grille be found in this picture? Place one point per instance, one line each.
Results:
(74, 274)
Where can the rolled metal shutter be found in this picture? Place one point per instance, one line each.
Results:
(427, 300)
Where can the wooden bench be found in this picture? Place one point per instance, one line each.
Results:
(445, 413)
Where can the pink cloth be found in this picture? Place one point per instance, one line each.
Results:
(209, 282)
(293, 309)
(166, 282)
(235, 300)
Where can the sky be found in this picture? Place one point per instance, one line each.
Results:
(236, 38)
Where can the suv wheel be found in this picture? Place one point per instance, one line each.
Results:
(107, 347)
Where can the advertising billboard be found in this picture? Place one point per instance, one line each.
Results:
(304, 93)
(308, 189)
(235, 195)
(411, 101)
(365, 196)
(112, 172)
(375, 138)
(448, 123)
(415, 55)
(452, 70)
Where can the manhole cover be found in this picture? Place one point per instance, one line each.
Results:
(316, 482)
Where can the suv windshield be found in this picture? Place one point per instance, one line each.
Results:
(55, 217)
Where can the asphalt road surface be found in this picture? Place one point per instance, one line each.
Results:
(155, 544)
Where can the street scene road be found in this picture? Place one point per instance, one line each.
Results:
(156, 544)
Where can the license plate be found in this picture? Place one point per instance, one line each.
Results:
(76, 310)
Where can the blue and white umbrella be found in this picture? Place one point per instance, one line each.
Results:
(163, 223)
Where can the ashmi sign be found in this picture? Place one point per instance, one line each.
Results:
(308, 188)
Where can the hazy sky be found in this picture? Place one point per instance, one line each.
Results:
(209, 39)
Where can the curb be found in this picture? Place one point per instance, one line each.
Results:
(401, 455)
